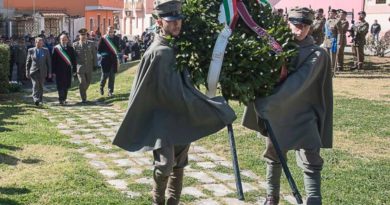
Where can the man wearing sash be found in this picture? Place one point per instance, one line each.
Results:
(38, 65)
(299, 112)
(166, 113)
(63, 63)
(86, 62)
(108, 48)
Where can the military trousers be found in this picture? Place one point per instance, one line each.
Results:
(169, 163)
(358, 55)
(340, 58)
(85, 80)
(38, 82)
(333, 58)
(309, 160)
(170, 157)
(111, 80)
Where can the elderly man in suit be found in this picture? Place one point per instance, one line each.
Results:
(64, 64)
(38, 66)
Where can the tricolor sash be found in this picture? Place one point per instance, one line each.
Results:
(228, 13)
(110, 45)
(64, 55)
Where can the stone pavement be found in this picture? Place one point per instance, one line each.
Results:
(209, 178)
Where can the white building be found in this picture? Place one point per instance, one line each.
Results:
(137, 17)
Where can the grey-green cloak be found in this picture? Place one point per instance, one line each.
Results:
(300, 110)
(165, 108)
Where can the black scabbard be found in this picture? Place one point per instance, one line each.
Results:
(240, 192)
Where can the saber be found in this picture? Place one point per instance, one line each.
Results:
(240, 192)
(212, 80)
(286, 170)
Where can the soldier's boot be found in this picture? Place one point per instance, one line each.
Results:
(159, 187)
(175, 185)
(312, 183)
(271, 200)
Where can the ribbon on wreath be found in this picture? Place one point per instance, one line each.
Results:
(230, 11)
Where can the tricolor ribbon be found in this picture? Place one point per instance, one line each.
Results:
(230, 11)
(110, 44)
(64, 55)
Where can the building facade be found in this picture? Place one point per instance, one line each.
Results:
(137, 17)
(378, 10)
(54, 16)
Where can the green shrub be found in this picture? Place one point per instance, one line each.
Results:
(14, 87)
(4, 68)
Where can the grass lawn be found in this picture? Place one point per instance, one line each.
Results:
(38, 165)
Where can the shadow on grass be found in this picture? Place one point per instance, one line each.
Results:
(8, 202)
(7, 112)
(13, 161)
(9, 147)
(115, 98)
(13, 191)
(31, 161)
(8, 159)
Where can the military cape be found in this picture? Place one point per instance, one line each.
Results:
(300, 110)
(165, 108)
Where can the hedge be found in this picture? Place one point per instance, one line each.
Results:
(4, 68)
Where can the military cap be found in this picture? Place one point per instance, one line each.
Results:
(83, 31)
(362, 12)
(333, 10)
(301, 15)
(169, 10)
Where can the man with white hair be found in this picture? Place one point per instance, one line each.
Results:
(38, 66)
(64, 64)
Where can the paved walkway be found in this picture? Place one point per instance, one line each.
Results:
(209, 178)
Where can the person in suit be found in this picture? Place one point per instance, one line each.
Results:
(108, 48)
(38, 66)
(63, 63)
(86, 58)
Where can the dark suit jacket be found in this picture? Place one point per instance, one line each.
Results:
(62, 70)
(34, 64)
(109, 59)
